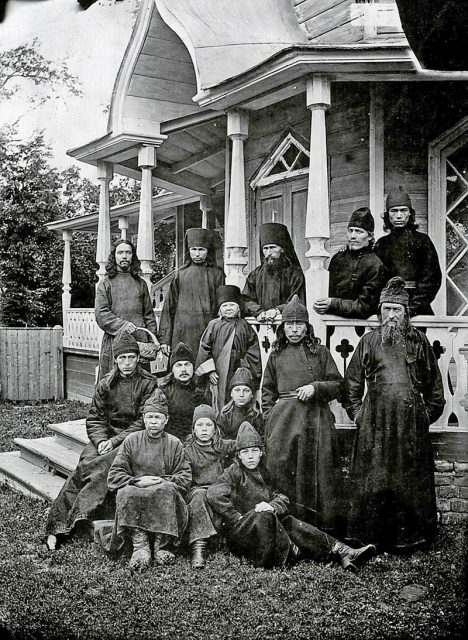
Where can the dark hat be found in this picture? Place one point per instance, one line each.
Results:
(228, 293)
(157, 403)
(394, 292)
(242, 376)
(125, 343)
(247, 437)
(276, 233)
(203, 411)
(196, 237)
(181, 352)
(398, 198)
(295, 311)
(362, 218)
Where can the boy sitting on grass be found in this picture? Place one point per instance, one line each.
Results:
(242, 405)
(207, 453)
(151, 476)
(256, 524)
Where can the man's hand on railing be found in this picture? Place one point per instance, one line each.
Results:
(322, 305)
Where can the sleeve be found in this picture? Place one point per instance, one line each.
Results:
(280, 503)
(429, 277)
(97, 424)
(367, 301)
(166, 323)
(219, 497)
(205, 363)
(251, 358)
(148, 313)
(181, 470)
(269, 386)
(148, 386)
(226, 447)
(105, 318)
(249, 292)
(120, 474)
(354, 382)
(331, 387)
(296, 285)
(433, 392)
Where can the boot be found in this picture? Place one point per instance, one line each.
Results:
(141, 557)
(162, 557)
(198, 559)
(294, 555)
(351, 558)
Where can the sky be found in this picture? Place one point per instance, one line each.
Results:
(93, 43)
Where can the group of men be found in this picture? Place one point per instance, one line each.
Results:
(390, 498)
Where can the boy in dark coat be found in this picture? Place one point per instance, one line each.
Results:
(256, 524)
(242, 405)
(207, 454)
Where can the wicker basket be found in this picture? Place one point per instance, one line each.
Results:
(146, 348)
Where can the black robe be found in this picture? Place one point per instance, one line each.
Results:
(392, 496)
(232, 417)
(265, 290)
(181, 400)
(412, 256)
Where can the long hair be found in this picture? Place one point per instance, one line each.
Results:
(135, 266)
(309, 341)
(410, 225)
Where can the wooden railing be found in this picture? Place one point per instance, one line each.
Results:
(81, 331)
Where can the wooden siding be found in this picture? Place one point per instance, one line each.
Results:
(31, 364)
(80, 375)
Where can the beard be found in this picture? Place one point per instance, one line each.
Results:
(125, 267)
(394, 332)
(273, 265)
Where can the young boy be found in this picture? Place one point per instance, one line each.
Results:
(227, 343)
(242, 405)
(256, 524)
(151, 476)
(207, 454)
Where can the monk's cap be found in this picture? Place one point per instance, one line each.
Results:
(242, 376)
(125, 343)
(274, 233)
(247, 437)
(394, 292)
(398, 198)
(182, 353)
(228, 293)
(203, 411)
(295, 311)
(362, 219)
(156, 403)
(196, 237)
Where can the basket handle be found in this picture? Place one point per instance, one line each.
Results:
(150, 333)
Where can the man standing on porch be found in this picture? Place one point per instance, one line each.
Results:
(122, 302)
(273, 284)
(392, 496)
(409, 253)
(191, 300)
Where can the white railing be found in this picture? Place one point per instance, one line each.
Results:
(159, 291)
(80, 330)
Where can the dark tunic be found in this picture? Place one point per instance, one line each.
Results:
(356, 280)
(207, 462)
(264, 538)
(392, 498)
(411, 255)
(232, 417)
(181, 401)
(116, 411)
(300, 436)
(245, 352)
(265, 290)
(189, 305)
(118, 300)
(156, 509)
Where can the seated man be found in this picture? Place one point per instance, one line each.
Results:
(271, 285)
(116, 411)
(256, 524)
(181, 391)
(242, 406)
(357, 275)
(151, 476)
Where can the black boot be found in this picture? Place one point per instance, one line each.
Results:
(351, 558)
(198, 559)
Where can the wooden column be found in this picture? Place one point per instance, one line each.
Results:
(376, 157)
(317, 226)
(105, 173)
(205, 208)
(145, 244)
(123, 226)
(66, 276)
(235, 233)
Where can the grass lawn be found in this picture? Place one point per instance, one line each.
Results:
(78, 593)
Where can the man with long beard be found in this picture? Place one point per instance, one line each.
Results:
(392, 496)
(273, 284)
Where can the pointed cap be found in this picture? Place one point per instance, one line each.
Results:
(125, 343)
(394, 292)
(362, 219)
(182, 352)
(242, 376)
(156, 403)
(295, 311)
(398, 198)
(203, 411)
(247, 437)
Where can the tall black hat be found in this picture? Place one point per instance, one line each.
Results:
(228, 293)
(276, 233)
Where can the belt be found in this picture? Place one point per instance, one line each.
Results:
(288, 394)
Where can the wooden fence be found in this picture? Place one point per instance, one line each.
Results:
(31, 364)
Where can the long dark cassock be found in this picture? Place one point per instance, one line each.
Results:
(122, 299)
(300, 436)
(207, 462)
(157, 509)
(116, 411)
(392, 496)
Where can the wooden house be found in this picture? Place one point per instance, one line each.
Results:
(296, 111)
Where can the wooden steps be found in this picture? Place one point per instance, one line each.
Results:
(41, 465)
